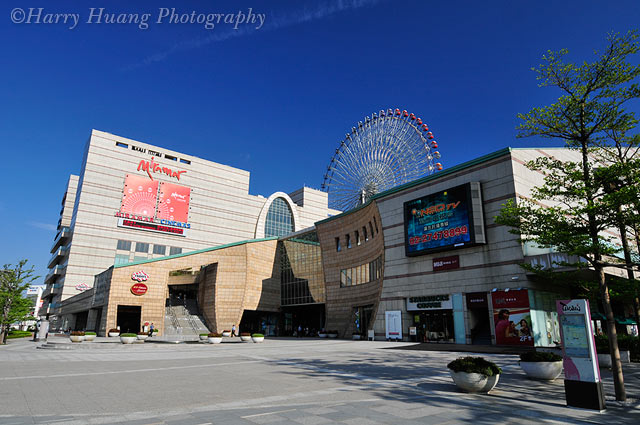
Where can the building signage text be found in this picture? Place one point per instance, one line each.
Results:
(139, 289)
(152, 166)
(82, 287)
(140, 276)
(430, 302)
(446, 263)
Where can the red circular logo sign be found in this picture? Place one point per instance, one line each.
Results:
(139, 289)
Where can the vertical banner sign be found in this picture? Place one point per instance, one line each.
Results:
(512, 317)
(582, 383)
(174, 202)
(140, 196)
(393, 321)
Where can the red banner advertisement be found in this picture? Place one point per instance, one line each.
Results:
(140, 196)
(512, 317)
(174, 202)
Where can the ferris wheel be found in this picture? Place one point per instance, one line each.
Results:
(388, 149)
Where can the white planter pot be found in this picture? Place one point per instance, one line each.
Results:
(257, 338)
(128, 339)
(89, 338)
(226, 334)
(245, 337)
(604, 360)
(203, 337)
(356, 337)
(76, 338)
(546, 371)
(474, 382)
(322, 335)
(332, 335)
(114, 334)
(215, 340)
(142, 337)
(625, 356)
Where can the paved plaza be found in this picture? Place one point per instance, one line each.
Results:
(282, 381)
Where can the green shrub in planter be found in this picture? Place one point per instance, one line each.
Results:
(156, 330)
(77, 333)
(206, 334)
(257, 335)
(540, 356)
(602, 344)
(89, 333)
(114, 331)
(474, 365)
(214, 335)
(129, 335)
(18, 334)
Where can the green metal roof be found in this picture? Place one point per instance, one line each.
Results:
(214, 248)
(435, 176)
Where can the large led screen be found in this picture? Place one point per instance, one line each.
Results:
(140, 196)
(440, 221)
(174, 202)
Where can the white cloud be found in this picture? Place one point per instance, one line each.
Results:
(274, 22)
(40, 225)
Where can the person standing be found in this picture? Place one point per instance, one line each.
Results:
(299, 331)
(151, 329)
(233, 330)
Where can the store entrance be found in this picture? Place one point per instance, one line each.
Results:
(434, 326)
(264, 322)
(308, 316)
(129, 318)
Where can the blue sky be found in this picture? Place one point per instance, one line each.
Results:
(275, 100)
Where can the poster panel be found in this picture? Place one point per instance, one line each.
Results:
(439, 221)
(174, 202)
(393, 324)
(512, 317)
(140, 196)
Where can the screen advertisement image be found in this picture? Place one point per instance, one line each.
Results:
(139, 196)
(438, 222)
(512, 317)
(174, 202)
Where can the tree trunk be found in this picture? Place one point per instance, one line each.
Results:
(616, 364)
(618, 378)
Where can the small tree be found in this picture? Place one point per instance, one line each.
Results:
(576, 210)
(14, 307)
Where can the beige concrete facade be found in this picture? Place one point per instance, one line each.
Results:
(231, 279)
(221, 211)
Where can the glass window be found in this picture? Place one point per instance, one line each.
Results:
(365, 235)
(159, 249)
(279, 220)
(175, 250)
(348, 237)
(142, 247)
(136, 258)
(375, 223)
(338, 247)
(371, 229)
(124, 245)
(357, 238)
(343, 277)
(121, 259)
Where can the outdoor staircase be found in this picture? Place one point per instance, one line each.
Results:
(183, 321)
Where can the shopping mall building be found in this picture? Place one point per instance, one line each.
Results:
(148, 235)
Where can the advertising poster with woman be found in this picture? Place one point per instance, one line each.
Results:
(512, 317)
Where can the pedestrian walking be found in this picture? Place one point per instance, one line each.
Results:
(151, 329)
(233, 330)
(299, 331)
